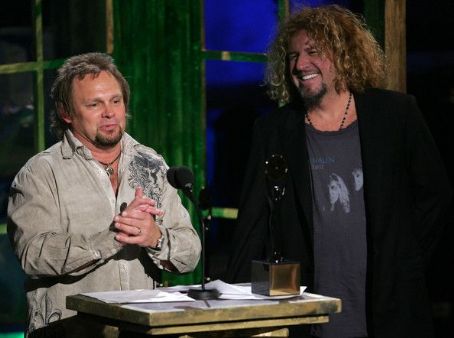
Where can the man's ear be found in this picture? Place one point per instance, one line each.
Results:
(64, 114)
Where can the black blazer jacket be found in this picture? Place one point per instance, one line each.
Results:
(407, 195)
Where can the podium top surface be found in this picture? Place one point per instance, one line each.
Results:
(206, 311)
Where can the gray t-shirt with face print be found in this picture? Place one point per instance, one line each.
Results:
(340, 246)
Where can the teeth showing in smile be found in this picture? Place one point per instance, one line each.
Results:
(308, 77)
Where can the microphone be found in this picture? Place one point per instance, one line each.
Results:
(182, 178)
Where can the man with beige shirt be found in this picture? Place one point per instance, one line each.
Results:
(94, 212)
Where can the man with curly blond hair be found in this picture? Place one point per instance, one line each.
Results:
(368, 242)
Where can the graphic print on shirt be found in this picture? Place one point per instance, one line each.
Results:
(149, 173)
(358, 178)
(338, 181)
(44, 311)
(339, 192)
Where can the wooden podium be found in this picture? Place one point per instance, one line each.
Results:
(209, 318)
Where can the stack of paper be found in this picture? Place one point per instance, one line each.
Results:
(230, 291)
(178, 294)
(139, 296)
(238, 291)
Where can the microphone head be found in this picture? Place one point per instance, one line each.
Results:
(180, 177)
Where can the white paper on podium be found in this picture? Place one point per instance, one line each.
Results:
(232, 291)
(139, 296)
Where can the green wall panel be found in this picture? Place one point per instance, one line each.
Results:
(157, 45)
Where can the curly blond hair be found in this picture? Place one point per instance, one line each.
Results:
(340, 35)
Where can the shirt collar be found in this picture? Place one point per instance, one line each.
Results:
(71, 145)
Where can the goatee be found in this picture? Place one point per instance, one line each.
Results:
(312, 100)
(107, 141)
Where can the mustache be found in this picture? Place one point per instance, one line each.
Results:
(110, 122)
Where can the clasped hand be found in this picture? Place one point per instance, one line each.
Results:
(136, 224)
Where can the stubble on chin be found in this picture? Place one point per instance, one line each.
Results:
(106, 141)
(312, 100)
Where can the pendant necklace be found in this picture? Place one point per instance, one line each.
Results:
(108, 166)
(343, 118)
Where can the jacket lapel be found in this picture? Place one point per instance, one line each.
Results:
(295, 146)
(371, 139)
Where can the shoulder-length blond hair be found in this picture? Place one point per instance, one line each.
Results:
(340, 35)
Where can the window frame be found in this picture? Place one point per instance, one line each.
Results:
(39, 66)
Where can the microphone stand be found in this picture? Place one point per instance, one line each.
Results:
(203, 293)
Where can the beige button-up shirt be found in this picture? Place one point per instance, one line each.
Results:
(60, 212)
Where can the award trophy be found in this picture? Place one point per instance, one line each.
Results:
(275, 276)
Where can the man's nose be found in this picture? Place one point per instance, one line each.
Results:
(298, 66)
(300, 63)
(108, 111)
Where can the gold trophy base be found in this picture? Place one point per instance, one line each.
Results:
(275, 279)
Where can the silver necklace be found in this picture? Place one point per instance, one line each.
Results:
(343, 118)
(108, 166)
